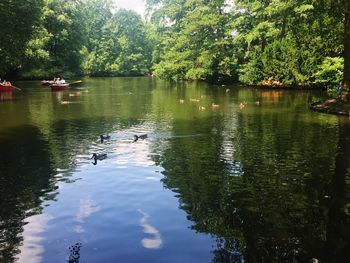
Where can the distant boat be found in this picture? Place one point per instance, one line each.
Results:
(63, 86)
(7, 87)
(59, 86)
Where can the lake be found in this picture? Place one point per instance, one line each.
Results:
(226, 174)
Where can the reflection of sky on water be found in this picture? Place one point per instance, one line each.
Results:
(87, 208)
(97, 206)
(229, 146)
(133, 154)
(150, 243)
(31, 250)
(125, 152)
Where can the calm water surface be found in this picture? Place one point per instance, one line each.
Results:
(259, 182)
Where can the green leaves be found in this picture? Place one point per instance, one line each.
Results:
(255, 40)
(195, 41)
(302, 9)
(286, 39)
(330, 72)
(18, 18)
(123, 49)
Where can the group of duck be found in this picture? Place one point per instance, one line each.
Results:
(101, 156)
(214, 105)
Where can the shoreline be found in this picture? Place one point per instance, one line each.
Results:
(332, 106)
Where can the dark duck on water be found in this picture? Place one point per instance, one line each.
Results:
(143, 136)
(104, 137)
(98, 157)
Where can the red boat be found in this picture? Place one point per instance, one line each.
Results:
(6, 87)
(59, 86)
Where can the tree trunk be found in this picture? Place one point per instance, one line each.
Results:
(346, 82)
(284, 25)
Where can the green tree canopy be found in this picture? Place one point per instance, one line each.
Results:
(196, 40)
(18, 18)
(124, 47)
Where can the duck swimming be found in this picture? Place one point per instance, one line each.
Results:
(99, 157)
(107, 137)
(143, 136)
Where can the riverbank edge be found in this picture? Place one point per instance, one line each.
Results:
(332, 106)
(281, 88)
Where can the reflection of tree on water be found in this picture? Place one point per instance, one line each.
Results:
(278, 209)
(25, 171)
(337, 245)
(283, 192)
(74, 253)
(47, 136)
(195, 170)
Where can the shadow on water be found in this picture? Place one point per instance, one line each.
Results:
(287, 198)
(337, 244)
(24, 176)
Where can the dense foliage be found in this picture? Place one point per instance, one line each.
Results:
(50, 37)
(122, 49)
(290, 42)
(18, 18)
(274, 42)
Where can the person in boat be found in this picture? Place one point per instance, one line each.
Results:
(62, 81)
(5, 83)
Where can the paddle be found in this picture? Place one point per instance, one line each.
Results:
(75, 82)
(16, 88)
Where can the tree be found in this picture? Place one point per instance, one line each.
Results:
(18, 18)
(346, 84)
(99, 45)
(57, 42)
(65, 23)
(195, 40)
(135, 48)
(124, 47)
(286, 40)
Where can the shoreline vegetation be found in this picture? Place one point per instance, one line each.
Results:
(332, 106)
(339, 105)
(272, 44)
